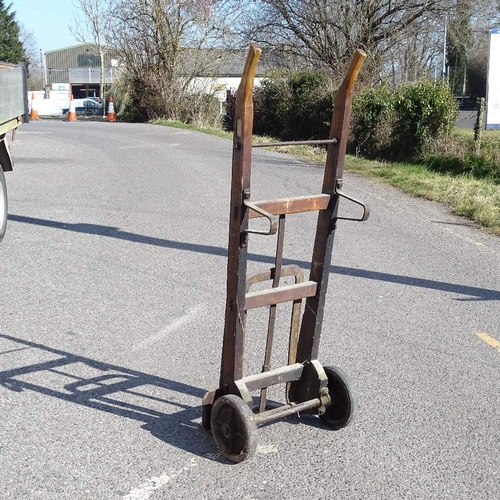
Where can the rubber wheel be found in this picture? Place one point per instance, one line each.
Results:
(3, 205)
(206, 416)
(343, 407)
(233, 428)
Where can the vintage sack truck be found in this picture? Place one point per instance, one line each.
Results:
(13, 112)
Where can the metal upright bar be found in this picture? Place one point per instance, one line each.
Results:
(272, 308)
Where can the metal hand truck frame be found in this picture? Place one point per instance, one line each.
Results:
(310, 387)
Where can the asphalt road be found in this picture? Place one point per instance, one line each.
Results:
(113, 281)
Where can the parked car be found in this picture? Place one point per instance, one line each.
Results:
(86, 107)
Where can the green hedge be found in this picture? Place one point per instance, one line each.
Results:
(401, 124)
(423, 112)
(293, 105)
(372, 123)
(386, 123)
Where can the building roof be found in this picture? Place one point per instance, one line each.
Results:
(70, 47)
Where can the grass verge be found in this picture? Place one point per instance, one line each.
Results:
(476, 199)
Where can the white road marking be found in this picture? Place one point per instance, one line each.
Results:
(144, 491)
(266, 449)
(190, 315)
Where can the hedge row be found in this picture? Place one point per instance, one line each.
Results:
(402, 124)
(385, 124)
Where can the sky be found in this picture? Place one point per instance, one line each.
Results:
(48, 21)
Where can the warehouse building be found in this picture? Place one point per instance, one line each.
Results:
(78, 69)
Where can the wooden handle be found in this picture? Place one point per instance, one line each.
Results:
(353, 71)
(247, 78)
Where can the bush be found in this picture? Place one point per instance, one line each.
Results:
(386, 124)
(141, 100)
(424, 111)
(293, 105)
(403, 124)
(199, 109)
(271, 106)
(372, 121)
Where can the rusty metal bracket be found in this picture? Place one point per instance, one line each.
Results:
(5, 159)
(273, 221)
(366, 209)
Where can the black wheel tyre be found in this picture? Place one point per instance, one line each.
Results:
(206, 416)
(343, 407)
(3, 205)
(233, 428)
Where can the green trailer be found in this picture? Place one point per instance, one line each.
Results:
(14, 111)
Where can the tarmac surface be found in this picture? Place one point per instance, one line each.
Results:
(113, 274)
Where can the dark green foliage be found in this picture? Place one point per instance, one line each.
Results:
(481, 166)
(372, 122)
(293, 105)
(386, 123)
(424, 111)
(270, 107)
(400, 125)
(11, 47)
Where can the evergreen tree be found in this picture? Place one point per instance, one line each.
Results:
(11, 47)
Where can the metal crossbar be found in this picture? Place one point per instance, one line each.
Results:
(292, 143)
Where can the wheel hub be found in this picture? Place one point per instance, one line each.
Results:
(227, 430)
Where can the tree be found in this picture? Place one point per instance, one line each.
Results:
(11, 47)
(416, 57)
(164, 46)
(92, 26)
(33, 57)
(459, 40)
(326, 32)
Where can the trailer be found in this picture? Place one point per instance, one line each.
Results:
(14, 111)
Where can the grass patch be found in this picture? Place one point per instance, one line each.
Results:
(476, 199)
(456, 154)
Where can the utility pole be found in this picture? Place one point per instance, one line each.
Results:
(42, 69)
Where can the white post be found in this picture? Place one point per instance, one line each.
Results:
(444, 45)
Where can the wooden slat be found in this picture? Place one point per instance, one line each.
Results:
(292, 205)
(280, 294)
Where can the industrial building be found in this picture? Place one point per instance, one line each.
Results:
(78, 69)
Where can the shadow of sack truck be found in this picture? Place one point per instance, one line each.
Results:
(14, 111)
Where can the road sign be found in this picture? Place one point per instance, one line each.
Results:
(493, 87)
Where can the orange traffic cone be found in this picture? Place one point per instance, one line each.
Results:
(111, 110)
(72, 110)
(34, 112)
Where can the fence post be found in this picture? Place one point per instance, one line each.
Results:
(478, 127)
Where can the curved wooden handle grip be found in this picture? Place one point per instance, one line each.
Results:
(247, 78)
(353, 71)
